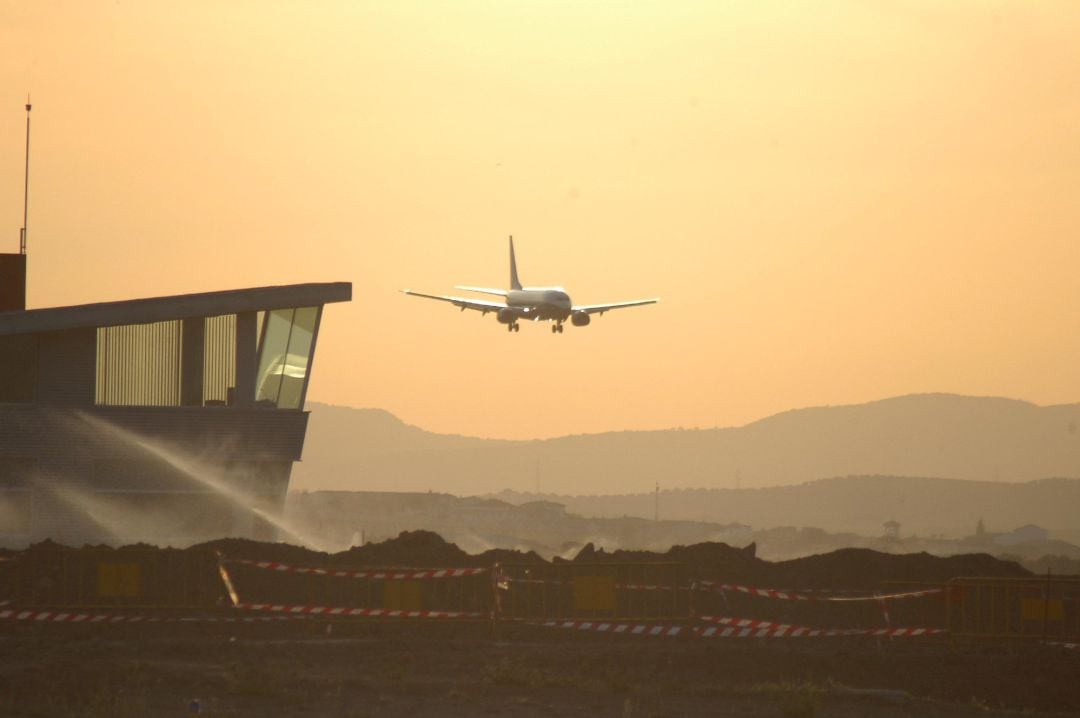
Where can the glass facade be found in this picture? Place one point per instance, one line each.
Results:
(148, 365)
(288, 338)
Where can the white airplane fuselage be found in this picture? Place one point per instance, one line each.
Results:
(530, 303)
(542, 303)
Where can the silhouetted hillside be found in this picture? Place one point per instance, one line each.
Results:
(329, 519)
(859, 504)
(344, 518)
(931, 435)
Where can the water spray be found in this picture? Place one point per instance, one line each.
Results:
(200, 472)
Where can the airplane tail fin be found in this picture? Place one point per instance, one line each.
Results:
(514, 283)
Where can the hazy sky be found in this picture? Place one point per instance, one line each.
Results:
(837, 201)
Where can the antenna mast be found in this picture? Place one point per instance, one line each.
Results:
(26, 182)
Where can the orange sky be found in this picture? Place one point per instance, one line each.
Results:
(837, 201)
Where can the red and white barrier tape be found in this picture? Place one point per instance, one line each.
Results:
(299, 610)
(72, 617)
(504, 582)
(780, 631)
(739, 628)
(378, 574)
(738, 622)
(806, 594)
(752, 628)
(648, 587)
(887, 596)
(631, 629)
(899, 632)
(802, 595)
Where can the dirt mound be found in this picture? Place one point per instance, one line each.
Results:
(717, 560)
(56, 566)
(509, 556)
(410, 548)
(705, 560)
(264, 551)
(856, 568)
(427, 549)
(841, 569)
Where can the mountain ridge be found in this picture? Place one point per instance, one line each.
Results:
(928, 435)
(860, 504)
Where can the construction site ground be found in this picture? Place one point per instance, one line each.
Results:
(216, 665)
(316, 668)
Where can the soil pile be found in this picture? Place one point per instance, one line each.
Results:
(410, 548)
(250, 550)
(414, 549)
(855, 569)
(50, 574)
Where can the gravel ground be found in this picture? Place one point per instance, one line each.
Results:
(386, 669)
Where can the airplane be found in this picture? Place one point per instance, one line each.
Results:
(531, 303)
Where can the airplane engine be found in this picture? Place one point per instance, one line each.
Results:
(506, 315)
(580, 319)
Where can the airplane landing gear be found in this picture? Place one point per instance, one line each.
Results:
(556, 328)
(515, 327)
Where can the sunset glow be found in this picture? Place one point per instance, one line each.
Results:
(837, 201)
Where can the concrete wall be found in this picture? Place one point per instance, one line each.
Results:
(66, 366)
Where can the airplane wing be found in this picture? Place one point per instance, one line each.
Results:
(482, 290)
(478, 304)
(601, 308)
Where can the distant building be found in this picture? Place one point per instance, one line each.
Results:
(164, 419)
(1029, 533)
(544, 509)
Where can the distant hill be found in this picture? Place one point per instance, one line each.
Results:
(335, 520)
(925, 435)
(857, 504)
(341, 518)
